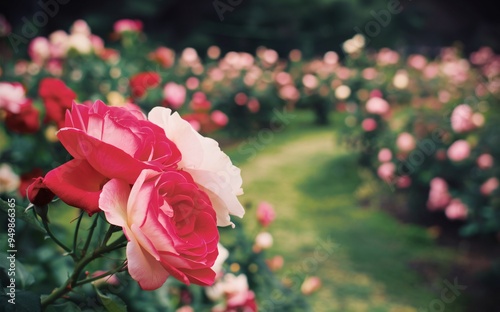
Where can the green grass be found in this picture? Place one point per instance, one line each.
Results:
(312, 184)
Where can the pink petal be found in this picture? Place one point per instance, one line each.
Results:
(148, 272)
(113, 201)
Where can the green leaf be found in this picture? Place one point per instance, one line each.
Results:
(21, 213)
(23, 277)
(63, 305)
(112, 303)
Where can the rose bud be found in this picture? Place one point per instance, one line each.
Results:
(38, 193)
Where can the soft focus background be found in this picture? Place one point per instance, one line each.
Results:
(370, 163)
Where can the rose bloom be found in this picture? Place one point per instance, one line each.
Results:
(377, 105)
(384, 155)
(369, 124)
(489, 186)
(39, 50)
(459, 150)
(219, 118)
(174, 95)
(263, 240)
(106, 143)
(222, 256)
(461, 119)
(439, 197)
(239, 296)
(164, 56)
(27, 179)
(485, 161)
(265, 214)
(405, 142)
(253, 105)
(310, 285)
(403, 182)
(57, 98)
(456, 210)
(124, 25)
(386, 171)
(9, 180)
(417, 61)
(275, 263)
(210, 168)
(170, 226)
(141, 82)
(12, 96)
(26, 121)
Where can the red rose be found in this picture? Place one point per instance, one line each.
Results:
(57, 98)
(38, 193)
(27, 179)
(143, 81)
(25, 121)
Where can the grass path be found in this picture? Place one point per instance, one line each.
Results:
(363, 256)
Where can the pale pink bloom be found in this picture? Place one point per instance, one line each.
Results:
(459, 150)
(310, 285)
(485, 161)
(406, 142)
(9, 180)
(189, 55)
(12, 96)
(265, 214)
(58, 44)
(39, 50)
(403, 182)
(331, 58)
(192, 83)
(489, 186)
(80, 43)
(185, 308)
(97, 43)
(253, 105)
(263, 240)
(461, 119)
(54, 67)
(343, 73)
(431, 70)
(439, 197)
(210, 168)
(387, 57)
(237, 292)
(275, 263)
(289, 92)
(80, 27)
(369, 124)
(219, 118)
(284, 78)
(482, 56)
(310, 81)
(127, 25)
(444, 96)
(369, 73)
(174, 95)
(376, 105)
(478, 119)
(456, 210)
(386, 171)
(213, 52)
(417, 61)
(384, 155)
(222, 256)
(270, 56)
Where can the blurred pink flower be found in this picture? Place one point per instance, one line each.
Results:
(275, 263)
(219, 118)
(489, 186)
(458, 151)
(192, 83)
(369, 124)
(461, 119)
(241, 98)
(12, 96)
(406, 142)
(403, 182)
(377, 105)
(369, 73)
(439, 197)
(485, 161)
(174, 95)
(417, 61)
(387, 57)
(310, 285)
(265, 214)
(310, 81)
(80, 27)
(127, 25)
(384, 155)
(110, 279)
(39, 50)
(386, 171)
(263, 241)
(456, 210)
(58, 44)
(253, 105)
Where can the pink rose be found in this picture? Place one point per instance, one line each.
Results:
(489, 186)
(439, 197)
(384, 155)
(210, 168)
(417, 61)
(39, 50)
(461, 119)
(265, 214)
(219, 118)
(459, 151)
(405, 142)
(386, 171)
(106, 143)
(377, 106)
(127, 25)
(12, 96)
(369, 124)
(170, 226)
(403, 182)
(310, 285)
(485, 161)
(456, 210)
(174, 95)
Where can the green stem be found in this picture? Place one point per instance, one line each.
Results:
(89, 237)
(95, 278)
(54, 238)
(72, 281)
(77, 228)
(110, 232)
